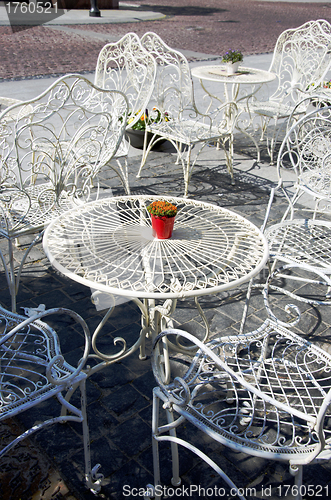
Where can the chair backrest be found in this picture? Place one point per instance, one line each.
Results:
(302, 56)
(173, 89)
(307, 148)
(53, 146)
(128, 67)
(30, 355)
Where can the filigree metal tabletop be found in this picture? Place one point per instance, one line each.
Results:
(217, 73)
(108, 245)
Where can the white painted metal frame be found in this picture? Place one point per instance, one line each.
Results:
(108, 245)
(266, 393)
(302, 57)
(126, 66)
(305, 149)
(181, 122)
(51, 150)
(238, 88)
(33, 370)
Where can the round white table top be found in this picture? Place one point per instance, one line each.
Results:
(108, 245)
(217, 73)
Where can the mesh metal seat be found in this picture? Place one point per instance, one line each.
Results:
(33, 370)
(266, 393)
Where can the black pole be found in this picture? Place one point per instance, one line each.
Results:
(94, 11)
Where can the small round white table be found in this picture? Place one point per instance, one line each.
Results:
(108, 245)
(251, 78)
(244, 76)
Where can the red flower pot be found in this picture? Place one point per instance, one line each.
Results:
(162, 227)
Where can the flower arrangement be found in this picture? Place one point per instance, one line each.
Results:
(324, 85)
(162, 209)
(232, 56)
(154, 117)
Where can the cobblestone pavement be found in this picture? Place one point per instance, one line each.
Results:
(211, 28)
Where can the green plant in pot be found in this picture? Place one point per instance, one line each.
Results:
(163, 216)
(136, 133)
(232, 60)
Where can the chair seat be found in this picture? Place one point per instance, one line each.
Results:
(187, 131)
(34, 208)
(301, 241)
(271, 109)
(24, 359)
(285, 372)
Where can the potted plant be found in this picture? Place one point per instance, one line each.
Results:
(232, 60)
(163, 216)
(136, 133)
(323, 87)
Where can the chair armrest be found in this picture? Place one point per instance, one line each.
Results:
(36, 315)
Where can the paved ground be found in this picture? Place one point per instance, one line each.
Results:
(50, 465)
(209, 28)
(120, 397)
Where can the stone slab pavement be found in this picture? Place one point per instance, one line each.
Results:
(119, 398)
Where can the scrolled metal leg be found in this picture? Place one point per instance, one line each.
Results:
(297, 472)
(155, 444)
(92, 477)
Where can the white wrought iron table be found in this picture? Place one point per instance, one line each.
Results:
(251, 78)
(108, 246)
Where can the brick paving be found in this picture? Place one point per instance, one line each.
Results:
(211, 28)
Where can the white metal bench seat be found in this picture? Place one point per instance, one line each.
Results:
(33, 209)
(188, 131)
(270, 109)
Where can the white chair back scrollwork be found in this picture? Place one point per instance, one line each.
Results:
(179, 120)
(51, 151)
(301, 59)
(126, 66)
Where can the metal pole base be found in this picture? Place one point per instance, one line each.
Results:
(94, 11)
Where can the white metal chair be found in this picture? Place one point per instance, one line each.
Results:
(128, 67)
(301, 57)
(181, 122)
(33, 370)
(266, 393)
(51, 149)
(300, 237)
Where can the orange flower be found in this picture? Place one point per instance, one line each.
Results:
(162, 209)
